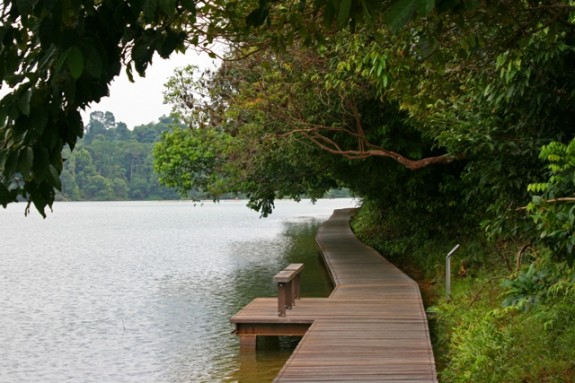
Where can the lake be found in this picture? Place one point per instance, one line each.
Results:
(143, 291)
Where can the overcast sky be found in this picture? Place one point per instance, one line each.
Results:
(141, 102)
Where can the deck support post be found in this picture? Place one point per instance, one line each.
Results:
(281, 299)
(296, 280)
(248, 341)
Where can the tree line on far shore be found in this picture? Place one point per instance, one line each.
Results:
(113, 162)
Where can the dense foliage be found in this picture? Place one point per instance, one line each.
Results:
(510, 315)
(443, 118)
(112, 162)
(58, 56)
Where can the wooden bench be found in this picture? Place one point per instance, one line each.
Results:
(288, 281)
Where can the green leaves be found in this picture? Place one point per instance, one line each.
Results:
(61, 57)
(168, 7)
(24, 102)
(553, 203)
(188, 160)
(258, 16)
(149, 7)
(93, 62)
(25, 6)
(25, 160)
(154, 9)
(425, 7)
(343, 13)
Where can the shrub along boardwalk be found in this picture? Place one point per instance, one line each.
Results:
(372, 328)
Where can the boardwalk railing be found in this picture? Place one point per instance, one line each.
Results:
(288, 281)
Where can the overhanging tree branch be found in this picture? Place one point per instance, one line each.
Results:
(318, 135)
(329, 145)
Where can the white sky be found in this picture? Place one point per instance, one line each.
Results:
(142, 101)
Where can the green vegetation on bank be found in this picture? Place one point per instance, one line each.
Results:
(510, 317)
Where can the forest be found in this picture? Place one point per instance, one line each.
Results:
(112, 162)
(452, 120)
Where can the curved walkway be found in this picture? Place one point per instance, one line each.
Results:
(372, 328)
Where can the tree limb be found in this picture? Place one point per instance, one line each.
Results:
(332, 147)
(553, 200)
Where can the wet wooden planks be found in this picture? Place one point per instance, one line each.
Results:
(372, 328)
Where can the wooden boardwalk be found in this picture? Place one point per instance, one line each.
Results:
(372, 328)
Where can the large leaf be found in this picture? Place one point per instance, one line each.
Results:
(5, 195)
(25, 160)
(24, 102)
(54, 177)
(168, 7)
(94, 65)
(425, 7)
(149, 8)
(400, 12)
(75, 62)
(25, 6)
(189, 5)
(170, 43)
(259, 15)
(343, 13)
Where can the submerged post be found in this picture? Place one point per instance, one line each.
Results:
(448, 271)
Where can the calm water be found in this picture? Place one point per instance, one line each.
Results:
(143, 291)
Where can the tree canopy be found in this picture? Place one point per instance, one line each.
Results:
(444, 117)
(59, 56)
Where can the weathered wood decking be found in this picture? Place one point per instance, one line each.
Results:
(372, 328)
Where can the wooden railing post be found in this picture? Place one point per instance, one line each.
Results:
(282, 290)
(288, 287)
(297, 267)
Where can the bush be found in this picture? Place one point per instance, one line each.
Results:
(521, 330)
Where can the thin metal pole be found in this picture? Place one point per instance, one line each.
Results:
(448, 271)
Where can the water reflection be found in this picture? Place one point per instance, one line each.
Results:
(264, 364)
(298, 246)
(302, 248)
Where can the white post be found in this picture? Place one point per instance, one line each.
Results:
(448, 271)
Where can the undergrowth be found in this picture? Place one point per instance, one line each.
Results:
(511, 313)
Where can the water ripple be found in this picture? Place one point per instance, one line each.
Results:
(141, 292)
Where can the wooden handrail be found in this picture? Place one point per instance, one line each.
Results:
(288, 281)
